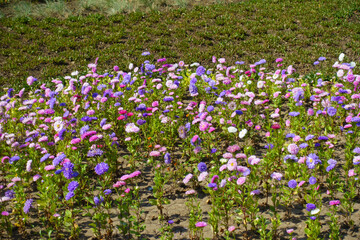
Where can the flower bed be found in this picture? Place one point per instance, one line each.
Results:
(174, 151)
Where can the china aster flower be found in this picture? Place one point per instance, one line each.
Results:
(202, 167)
(331, 111)
(242, 133)
(332, 163)
(292, 183)
(167, 158)
(201, 224)
(28, 205)
(356, 160)
(311, 160)
(231, 164)
(293, 149)
(310, 206)
(72, 186)
(276, 175)
(131, 128)
(101, 168)
(68, 170)
(334, 202)
(200, 71)
(312, 180)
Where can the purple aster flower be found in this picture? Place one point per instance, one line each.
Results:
(140, 122)
(212, 185)
(355, 119)
(292, 183)
(68, 170)
(210, 108)
(200, 71)
(356, 150)
(168, 99)
(213, 150)
(107, 191)
(167, 158)
(290, 135)
(98, 200)
(101, 168)
(292, 157)
(193, 89)
(10, 94)
(14, 159)
(238, 112)
(322, 59)
(62, 133)
(332, 163)
(311, 160)
(72, 186)
(312, 180)
(28, 205)
(303, 145)
(10, 194)
(141, 107)
(294, 114)
(309, 137)
(310, 206)
(182, 132)
(202, 167)
(59, 159)
(316, 62)
(331, 111)
(69, 196)
(323, 138)
(102, 123)
(312, 217)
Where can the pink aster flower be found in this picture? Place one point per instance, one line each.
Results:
(203, 126)
(119, 183)
(154, 153)
(190, 192)
(231, 228)
(293, 149)
(241, 180)
(187, 178)
(253, 160)
(49, 167)
(93, 138)
(75, 140)
(232, 164)
(334, 202)
(201, 224)
(202, 176)
(351, 173)
(131, 128)
(43, 139)
(227, 155)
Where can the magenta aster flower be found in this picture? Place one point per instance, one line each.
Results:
(201, 224)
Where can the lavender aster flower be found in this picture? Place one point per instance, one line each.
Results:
(101, 168)
(292, 183)
(28, 205)
(312, 180)
(167, 158)
(107, 191)
(311, 160)
(200, 71)
(202, 167)
(356, 150)
(308, 137)
(331, 111)
(182, 132)
(68, 170)
(310, 206)
(69, 196)
(58, 159)
(10, 194)
(72, 186)
(303, 145)
(294, 114)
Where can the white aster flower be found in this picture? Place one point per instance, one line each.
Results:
(232, 129)
(58, 125)
(242, 133)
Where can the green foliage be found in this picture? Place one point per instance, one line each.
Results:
(52, 39)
